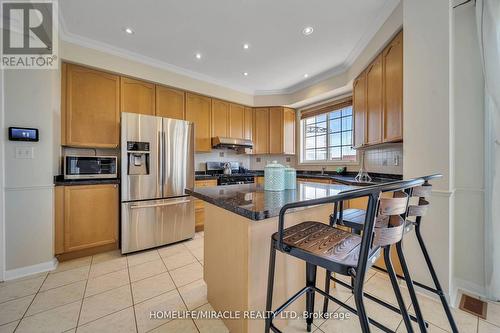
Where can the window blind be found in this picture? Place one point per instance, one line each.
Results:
(327, 107)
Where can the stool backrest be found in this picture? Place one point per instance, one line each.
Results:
(422, 192)
(389, 227)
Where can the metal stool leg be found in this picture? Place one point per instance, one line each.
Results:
(310, 282)
(327, 290)
(411, 288)
(270, 285)
(360, 306)
(395, 287)
(440, 292)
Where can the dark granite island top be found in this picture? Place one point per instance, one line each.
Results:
(252, 202)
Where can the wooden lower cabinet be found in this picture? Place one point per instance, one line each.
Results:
(259, 180)
(199, 206)
(86, 219)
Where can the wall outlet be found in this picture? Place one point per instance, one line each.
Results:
(25, 152)
(396, 160)
(288, 159)
(384, 162)
(221, 154)
(257, 159)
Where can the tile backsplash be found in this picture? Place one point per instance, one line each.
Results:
(220, 155)
(258, 162)
(385, 159)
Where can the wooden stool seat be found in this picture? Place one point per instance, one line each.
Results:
(322, 245)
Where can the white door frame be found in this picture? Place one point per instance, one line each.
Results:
(2, 176)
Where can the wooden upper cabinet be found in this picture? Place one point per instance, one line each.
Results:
(289, 131)
(170, 102)
(359, 110)
(261, 131)
(276, 130)
(199, 110)
(220, 118)
(374, 103)
(236, 121)
(137, 96)
(91, 108)
(90, 216)
(248, 124)
(392, 58)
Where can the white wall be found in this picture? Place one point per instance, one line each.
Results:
(31, 100)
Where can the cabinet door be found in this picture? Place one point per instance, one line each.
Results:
(261, 131)
(198, 110)
(289, 131)
(393, 90)
(199, 206)
(169, 102)
(248, 123)
(374, 102)
(90, 216)
(237, 121)
(137, 96)
(359, 109)
(276, 134)
(220, 118)
(91, 115)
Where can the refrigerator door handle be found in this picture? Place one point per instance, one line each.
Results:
(160, 162)
(160, 204)
(164, 160)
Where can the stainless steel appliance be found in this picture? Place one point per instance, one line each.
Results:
(89, 167)
(232, 143)
(157, 165)
(238, 175)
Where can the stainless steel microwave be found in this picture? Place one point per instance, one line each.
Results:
(90, 167)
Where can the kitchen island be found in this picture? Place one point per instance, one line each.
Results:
(239, 222)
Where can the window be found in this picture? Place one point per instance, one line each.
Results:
(328, 137)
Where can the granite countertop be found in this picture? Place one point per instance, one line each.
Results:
(60, 181)
(252, 202)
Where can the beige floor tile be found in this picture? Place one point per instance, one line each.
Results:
(142, 257)
(198, 253)
(194, 243)
(298, 325)
(100, 305)
(485, 327)
(145, 270)
(199, 234)
(177, 326)
(106, 256)
(13, 290)
(170, 301)
(379, 285)
(15, 309)
(493, 315)
(187, 274)
(107, 266)
(24, 278)
(70, 264)
(347, 324)
(210, 325)
(194, 294)
(107, 282)
(431, 329)
(9, 328)
(151, 287)
(202, 262)
(56, 297)
(67, 277)
(122, 321)
(179, 260)
(59, 319)
(171, 250)
(379, 313)
(433, 312)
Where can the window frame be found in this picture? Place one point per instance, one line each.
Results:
(302, 143)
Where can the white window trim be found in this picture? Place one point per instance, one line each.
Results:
(301, 149)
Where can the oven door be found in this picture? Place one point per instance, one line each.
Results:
(152, 223)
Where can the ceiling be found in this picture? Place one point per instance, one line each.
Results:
(170, 32)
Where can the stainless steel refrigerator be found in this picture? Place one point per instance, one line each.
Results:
(157, 165)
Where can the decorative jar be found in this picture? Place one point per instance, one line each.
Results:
(274, 177)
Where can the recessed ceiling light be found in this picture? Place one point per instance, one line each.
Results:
(198, 55)
(306, 75)
(246, 46)
(245, 74)
(307, 31)
(129, 31)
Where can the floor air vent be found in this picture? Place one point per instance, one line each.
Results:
(473, 305)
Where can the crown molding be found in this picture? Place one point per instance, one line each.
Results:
(361, 44)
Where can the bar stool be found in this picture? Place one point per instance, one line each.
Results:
(353, 218)
(340, 251)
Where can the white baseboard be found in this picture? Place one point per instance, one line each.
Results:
(471, 288)
(30, 270)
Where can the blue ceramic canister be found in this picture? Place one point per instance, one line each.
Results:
(274, 177)
(290, 178)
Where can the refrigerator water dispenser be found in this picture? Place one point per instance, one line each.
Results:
(138, 158)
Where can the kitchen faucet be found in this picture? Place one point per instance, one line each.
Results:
(323, 170)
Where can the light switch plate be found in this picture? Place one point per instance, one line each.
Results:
(25, 152)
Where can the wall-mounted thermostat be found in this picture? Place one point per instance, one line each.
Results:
(23, 134)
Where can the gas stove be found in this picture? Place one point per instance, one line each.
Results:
(239, 175)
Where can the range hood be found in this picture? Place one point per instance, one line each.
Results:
(221, 142)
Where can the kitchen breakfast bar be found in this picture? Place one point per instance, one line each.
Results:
(239, 222)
